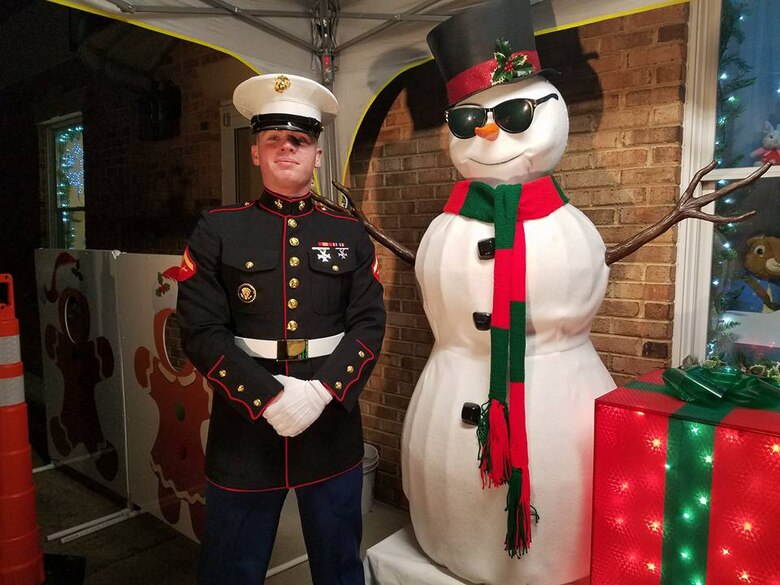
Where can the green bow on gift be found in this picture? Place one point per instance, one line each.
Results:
(716, 386)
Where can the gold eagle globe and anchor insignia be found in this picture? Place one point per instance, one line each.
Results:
(247, 293)
(282, 84)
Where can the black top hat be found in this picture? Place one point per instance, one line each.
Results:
(487, 44)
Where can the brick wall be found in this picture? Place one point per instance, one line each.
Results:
(623, 80)
(145, 196)
(142, 196)
(21, 208)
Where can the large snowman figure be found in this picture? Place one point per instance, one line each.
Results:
(511, 277)
(508, 126)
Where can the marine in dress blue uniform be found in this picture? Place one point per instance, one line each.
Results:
(278, 298)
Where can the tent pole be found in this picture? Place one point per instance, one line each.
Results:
(324, 21)
(242, 14)
(394, 21)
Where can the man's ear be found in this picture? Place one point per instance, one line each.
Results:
(318, 158)
(255, 155)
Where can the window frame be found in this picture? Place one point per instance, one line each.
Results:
(694, 238)
(55, 237)
(231, 122)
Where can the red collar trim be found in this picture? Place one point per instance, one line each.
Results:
(285, 197)
(285, 205)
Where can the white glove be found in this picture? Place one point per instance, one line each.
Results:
(297, 406)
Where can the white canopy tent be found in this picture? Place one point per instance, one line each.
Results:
(369, 43)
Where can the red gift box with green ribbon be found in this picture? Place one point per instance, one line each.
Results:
(687, 481)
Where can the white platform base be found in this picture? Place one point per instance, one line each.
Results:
(398, 560)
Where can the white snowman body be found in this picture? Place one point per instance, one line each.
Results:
(458, 523)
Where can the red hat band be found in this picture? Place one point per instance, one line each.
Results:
(511, 66)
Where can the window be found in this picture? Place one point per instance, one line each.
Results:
(66, 203)
(734, 81)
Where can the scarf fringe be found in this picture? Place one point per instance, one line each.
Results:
(493, 437)
(518, 507)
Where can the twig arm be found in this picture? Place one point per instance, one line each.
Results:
(687, 206)
(399, 250)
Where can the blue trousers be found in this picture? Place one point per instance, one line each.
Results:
(241, 528)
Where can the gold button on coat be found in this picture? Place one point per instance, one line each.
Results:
(292, 223)
(257, 402)
(240, 388)
(249, 264)
(294, 241)
(338, 385)
(292, 325)
(294, 282)
(278, 204)
(350, 369)
(222, 373)
(292, 303)
(334, 268)
(362, 353)
(294, 261)
(302, 205)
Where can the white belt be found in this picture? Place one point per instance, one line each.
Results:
(289, 349)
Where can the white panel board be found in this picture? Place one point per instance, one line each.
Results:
(82, 363)
(168, 402)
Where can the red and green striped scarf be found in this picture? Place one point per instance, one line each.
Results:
(503, 443)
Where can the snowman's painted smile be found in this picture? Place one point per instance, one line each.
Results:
(487, 164)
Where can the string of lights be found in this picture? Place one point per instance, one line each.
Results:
(69, 173)
(683, 495)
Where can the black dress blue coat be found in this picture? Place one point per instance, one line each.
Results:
(277, 269)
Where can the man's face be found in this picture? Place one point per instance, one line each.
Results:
(287, 160)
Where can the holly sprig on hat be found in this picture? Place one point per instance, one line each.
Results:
(509, 65)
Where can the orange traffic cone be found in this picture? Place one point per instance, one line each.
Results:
(21, 556)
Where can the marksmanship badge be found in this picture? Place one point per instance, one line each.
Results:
(324, 249)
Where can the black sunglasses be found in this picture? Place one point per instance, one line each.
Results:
(513, 116)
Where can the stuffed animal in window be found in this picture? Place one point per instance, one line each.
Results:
(762, 266)
(770, 146)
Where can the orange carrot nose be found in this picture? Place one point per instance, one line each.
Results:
(489, 131)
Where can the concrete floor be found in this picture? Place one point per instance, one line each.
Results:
(145, 550)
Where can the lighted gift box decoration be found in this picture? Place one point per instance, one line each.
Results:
(686, 494)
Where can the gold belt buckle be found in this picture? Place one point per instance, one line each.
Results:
(290, 350)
